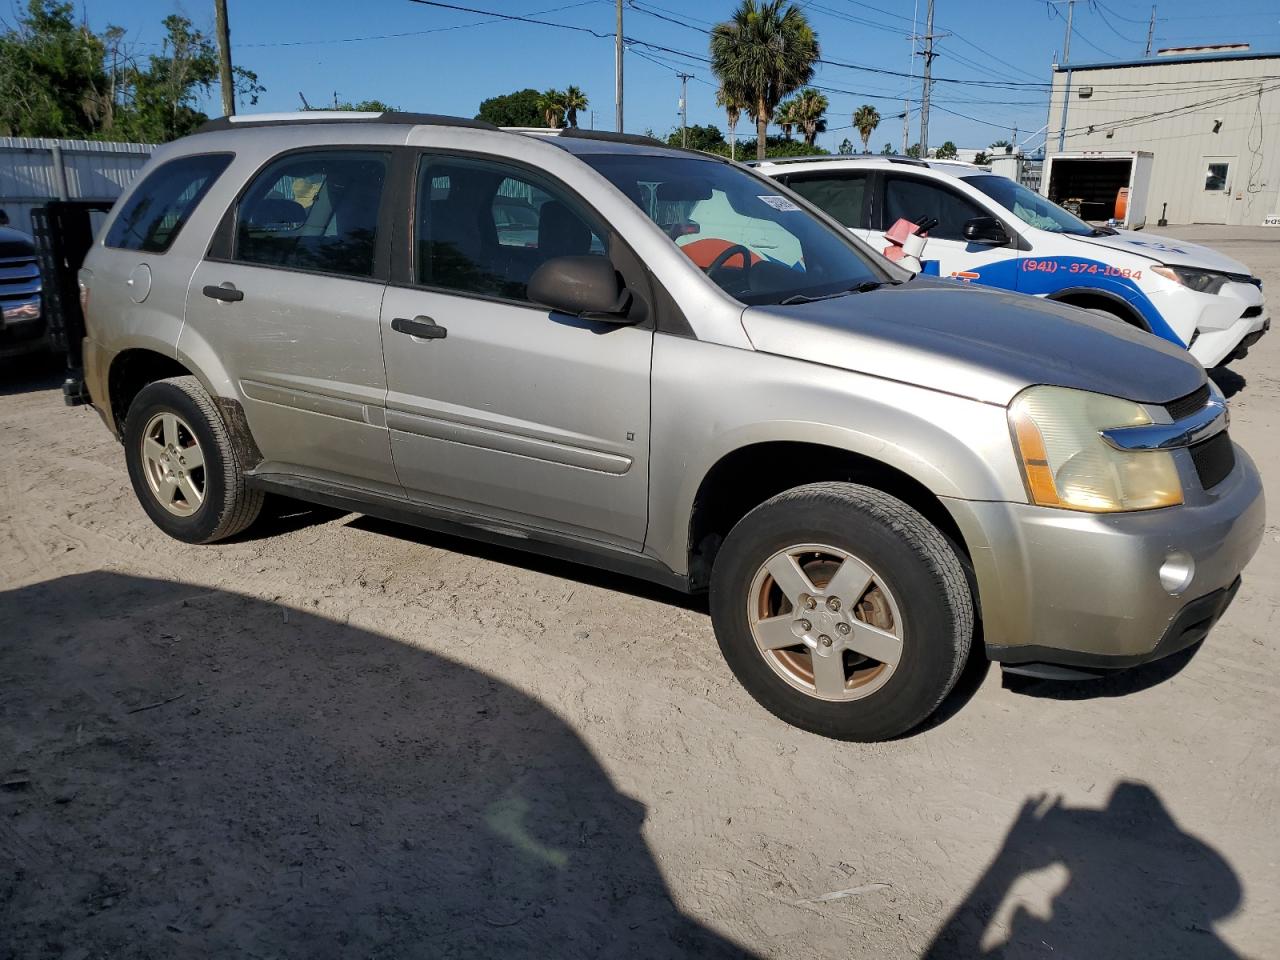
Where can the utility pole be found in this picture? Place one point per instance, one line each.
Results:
(617, 71)
(1151, 29)
(906, 101)
(1066, 84)
(684, 108)
(225, 77)
(928, 82)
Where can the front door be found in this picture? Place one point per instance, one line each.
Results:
(911, 198)
(498, 407)
(1213, 196)
(292, 310)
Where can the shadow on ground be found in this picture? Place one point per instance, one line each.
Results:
(1122, 881)
(32, 372)
(1122, 683)
(191, 772)
(1227, 380)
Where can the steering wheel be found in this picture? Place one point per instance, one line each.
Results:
(726, 255)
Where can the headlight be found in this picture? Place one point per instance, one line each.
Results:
(1201, 281)
(1067, 464)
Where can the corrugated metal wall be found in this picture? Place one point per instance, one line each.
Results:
(36, 170)
(1183, 100)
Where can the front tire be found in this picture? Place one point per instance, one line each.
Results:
(842, 611)
(183, 467)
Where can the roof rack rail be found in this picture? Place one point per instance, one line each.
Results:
(891, 158)
(639, 140)
(341, 116)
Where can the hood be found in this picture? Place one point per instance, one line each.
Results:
(1168, 250)
(975, 342)
(15, 243)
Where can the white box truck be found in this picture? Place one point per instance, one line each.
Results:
(1100, 184)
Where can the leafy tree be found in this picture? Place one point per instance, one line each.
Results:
(887, 150)
(518, 109)
(1003, 146)
(913, 151)
(866, 118)
(809, 108)
(51, 75)
(366, 106)
(947, 151)
(765, 51)
(708, 138)
(846, 147)
(982, 159)
(784, 116)
(574, 100)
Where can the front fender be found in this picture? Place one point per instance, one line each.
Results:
(709, 401)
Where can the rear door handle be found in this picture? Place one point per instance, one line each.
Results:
(423, 327)
(224, 292)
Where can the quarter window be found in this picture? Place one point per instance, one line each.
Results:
(914, 199)
(314, 211)
(484, 228)
(156, 212)
(839, 195)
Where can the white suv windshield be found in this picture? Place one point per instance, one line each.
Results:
(1030, 208)
(754, 243)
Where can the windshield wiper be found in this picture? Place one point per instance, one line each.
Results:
(866, 286)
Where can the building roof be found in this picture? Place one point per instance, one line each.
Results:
(1206, 55)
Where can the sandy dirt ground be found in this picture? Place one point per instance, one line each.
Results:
(335, 737)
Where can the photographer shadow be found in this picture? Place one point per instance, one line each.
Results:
(1122, 881)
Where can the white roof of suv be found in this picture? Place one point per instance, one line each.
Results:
(955, 168)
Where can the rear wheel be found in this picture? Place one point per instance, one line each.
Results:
(182, 464)
(842, 611)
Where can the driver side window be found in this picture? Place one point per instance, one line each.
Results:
(912, 199)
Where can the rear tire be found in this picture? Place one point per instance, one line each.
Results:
(869, 638)
(183, 467)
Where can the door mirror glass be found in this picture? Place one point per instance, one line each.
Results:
(985, 230)
(583, 286)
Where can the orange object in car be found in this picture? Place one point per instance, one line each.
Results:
(704, 252)
(1122, 203)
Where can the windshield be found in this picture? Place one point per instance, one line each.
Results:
(754, 243)
(1030, 208)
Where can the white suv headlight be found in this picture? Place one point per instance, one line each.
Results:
(1066, 463)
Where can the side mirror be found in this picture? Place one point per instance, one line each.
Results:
(985, 230)
(585, 286)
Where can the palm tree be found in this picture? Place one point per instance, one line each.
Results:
(1003, 145)
(733, 103)
(551, 103)
(866, 118)
(766, 51)
(808, 110)
(785, 117)
(574, 100)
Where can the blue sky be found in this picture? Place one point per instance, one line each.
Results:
(429, 59)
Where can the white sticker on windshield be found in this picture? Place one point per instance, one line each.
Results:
(779, 203)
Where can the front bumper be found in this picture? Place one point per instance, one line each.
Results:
(1084, 590)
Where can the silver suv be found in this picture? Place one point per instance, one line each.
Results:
(661, 363)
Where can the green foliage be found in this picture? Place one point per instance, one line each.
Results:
(887, 151)
(866, 118)
(708, 138)
(774, 147)
(764, 52)
(365, 106)
(946, 152)
(999, 145)
(982, 159)
(913, 151)
(846, 147)
(518, 109)
(573, 100)
(60, 79)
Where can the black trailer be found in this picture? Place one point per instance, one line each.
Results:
(63, 231)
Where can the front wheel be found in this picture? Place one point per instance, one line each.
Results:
(842, 610)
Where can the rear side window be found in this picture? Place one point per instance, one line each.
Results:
(314, 211)
(912, 199)
(156, 212)
(840, 195)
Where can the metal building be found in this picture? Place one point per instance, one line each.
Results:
(34, 171)
(1207, 114)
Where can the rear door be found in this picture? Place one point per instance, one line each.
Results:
(914, 197)
(289, 300)
(509, 410)
(844, 194)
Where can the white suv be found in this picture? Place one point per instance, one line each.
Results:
(993, 231)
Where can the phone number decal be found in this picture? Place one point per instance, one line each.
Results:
(1080, 267)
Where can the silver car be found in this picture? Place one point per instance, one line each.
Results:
(675, 368)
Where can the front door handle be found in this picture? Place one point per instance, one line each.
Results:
(423, 327)
(224, 292)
